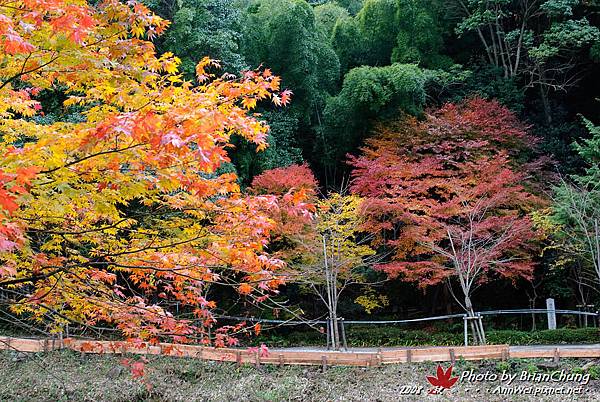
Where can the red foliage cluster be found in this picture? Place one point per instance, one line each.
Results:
(12, 186)
(295, 187)
(281, 180)
(481, 119)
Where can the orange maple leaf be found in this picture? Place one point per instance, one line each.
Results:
(245, 289)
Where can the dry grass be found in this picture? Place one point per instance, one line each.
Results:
(69, 376)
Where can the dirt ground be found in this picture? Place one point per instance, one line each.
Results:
(70, 376)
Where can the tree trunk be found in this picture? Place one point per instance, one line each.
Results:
(597, 243)
(532, 306)
(476, 325)
(336, 332)
(331, 303)
(335, 336)
(446, 300)
(545, 105)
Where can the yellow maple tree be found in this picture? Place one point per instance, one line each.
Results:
(122, 214)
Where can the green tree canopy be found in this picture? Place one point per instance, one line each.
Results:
(353, 6)
(366, 93)
(387, 31)
(282, 34)
(327, 15)
(576, 210)
(201, 28)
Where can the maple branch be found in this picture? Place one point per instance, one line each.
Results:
(111, 151)
(22, 73)
(80, 232)
(32, 278)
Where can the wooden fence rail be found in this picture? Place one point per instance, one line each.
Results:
(300, 357)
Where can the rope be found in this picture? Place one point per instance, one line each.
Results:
(441, 317)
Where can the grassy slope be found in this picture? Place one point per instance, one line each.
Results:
(69, 376)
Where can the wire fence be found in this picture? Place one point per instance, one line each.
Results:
(586, 318)
(467, 320)
(595, 315)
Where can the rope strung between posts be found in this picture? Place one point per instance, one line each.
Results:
(441, 317)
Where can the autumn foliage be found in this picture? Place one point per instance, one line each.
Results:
(281, 180)
(295, 187)
(118, 217)
(323, 247)
(447, 195)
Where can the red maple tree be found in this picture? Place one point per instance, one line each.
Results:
(447, 196)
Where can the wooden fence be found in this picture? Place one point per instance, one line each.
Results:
(300, 357)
